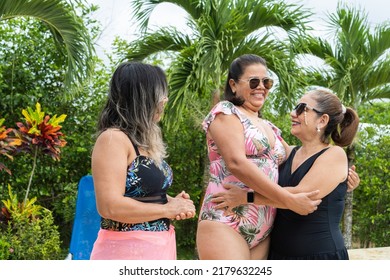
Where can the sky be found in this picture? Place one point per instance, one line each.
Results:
(114, 15)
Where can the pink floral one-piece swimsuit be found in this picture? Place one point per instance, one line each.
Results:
(253, 222)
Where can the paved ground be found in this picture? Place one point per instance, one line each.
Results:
(381, 253)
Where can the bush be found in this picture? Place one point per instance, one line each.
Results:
(36, 239)
(28, 231)
(5, 248)
(187, 157)
(372, 197)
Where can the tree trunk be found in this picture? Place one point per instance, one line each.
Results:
(347, 233)
(348, 220)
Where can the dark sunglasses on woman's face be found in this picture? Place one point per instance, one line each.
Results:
(302, 106)
(255, 82)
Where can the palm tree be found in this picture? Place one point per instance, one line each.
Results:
(358, 68)
(68, 30)
(221, 30)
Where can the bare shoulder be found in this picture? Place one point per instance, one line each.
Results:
(335, 153)
(337, 150)
(112, 135)
(112, 141)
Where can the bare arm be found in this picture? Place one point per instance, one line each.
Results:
(230, 143)
(332, 162)
(110, 157)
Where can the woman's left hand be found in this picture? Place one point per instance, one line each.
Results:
(232, 197)
(353, 179)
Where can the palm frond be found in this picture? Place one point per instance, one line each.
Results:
(379, 42)
(142, 9)
(68, 30)
(290, 17)
(162, 40)
(380, 92)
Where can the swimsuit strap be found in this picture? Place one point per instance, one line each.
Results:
(135, 148)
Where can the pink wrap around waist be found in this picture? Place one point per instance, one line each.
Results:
(135, 245)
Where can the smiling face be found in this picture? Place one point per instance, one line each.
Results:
(254, 98)
(307, 121)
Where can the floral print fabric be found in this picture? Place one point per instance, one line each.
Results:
(253, 222)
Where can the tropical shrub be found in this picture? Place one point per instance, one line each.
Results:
(28, 231)
(187, 158)
(371, 216)
(7, 145)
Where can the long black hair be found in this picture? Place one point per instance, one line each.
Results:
(134, 99)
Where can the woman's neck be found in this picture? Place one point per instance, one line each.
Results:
(250, 112)
(310, 148)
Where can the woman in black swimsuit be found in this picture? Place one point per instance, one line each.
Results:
(131, 177)
(324, 126)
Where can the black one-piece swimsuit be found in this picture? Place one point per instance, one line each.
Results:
(315, 236)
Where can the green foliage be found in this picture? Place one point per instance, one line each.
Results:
(187, 156)
(67, 30)
(31, 71)
(17, 210)
(29, 232)
(372, 198)
(36, 239)
(4, 249)
(375, 113)
(371, 221)
(64, 207)
(356, 57)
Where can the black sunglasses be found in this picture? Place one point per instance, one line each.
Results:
(255, 82)
(302, 106)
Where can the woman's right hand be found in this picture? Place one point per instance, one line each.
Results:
(304, 203)
(233, 196)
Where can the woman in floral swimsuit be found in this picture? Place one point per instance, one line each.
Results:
(252, 221)
(244, 150)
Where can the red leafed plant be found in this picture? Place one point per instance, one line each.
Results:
(7, 144)
(39, 133)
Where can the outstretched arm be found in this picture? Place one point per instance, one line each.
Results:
(317, 177)
(231, 145)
